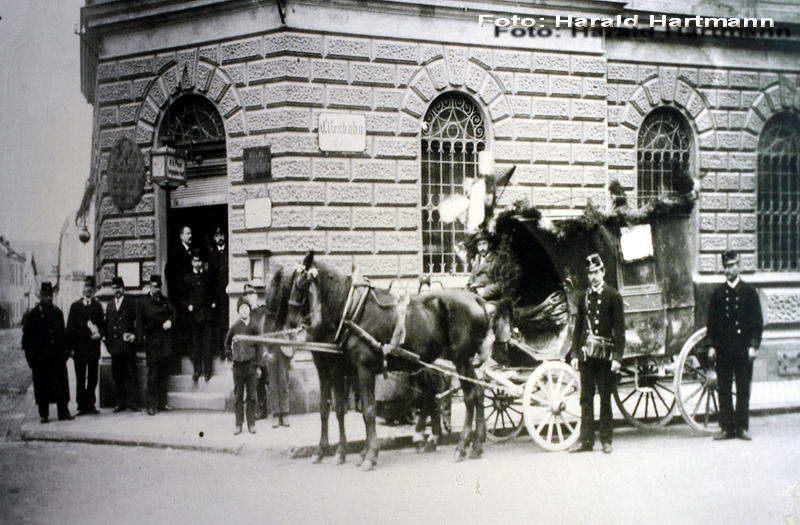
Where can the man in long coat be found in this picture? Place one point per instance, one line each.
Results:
(85, 328)
(196, 303)
(157, 318)
(120, 340)
(735, 325)
(179, 263)
(483, 281)
(44, 340)
(218, 272)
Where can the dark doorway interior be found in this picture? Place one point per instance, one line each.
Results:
(202, 220)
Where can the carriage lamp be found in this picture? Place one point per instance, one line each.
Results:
(167, 167)
(84, 235)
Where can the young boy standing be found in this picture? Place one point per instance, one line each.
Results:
(245, 356)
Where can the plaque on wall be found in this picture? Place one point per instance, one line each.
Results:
(126, 174)
(257, 164)
(342, 132)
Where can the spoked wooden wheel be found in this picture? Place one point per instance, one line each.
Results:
(551, 405)
(645, 393)
(696, 384)
(503, 415)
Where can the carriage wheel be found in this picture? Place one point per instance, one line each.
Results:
(551, 405)
(696, 384)
(644, 395)
(503, 415)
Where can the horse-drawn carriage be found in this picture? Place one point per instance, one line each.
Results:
(647, 258)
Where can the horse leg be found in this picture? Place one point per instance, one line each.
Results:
(419, 430)
(324, 413)
(340, 396)
(466, 431)
(480, 424)
(366, 381)
(436, 421)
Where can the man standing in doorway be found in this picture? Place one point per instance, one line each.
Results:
(120, 340)
(44, 340)
(218, 268)
(735, 324)
(157, 318)
(85, 327)
(179, 263)
(199, 309)
(597, 348)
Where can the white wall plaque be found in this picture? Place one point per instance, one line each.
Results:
(342, 132)
(131, 273)
(258, 213)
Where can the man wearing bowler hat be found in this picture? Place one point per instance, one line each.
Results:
(157, 318)
(199, 308)
(85, 327)
(44, 340)
(597, 347)
(120, 338)
(735, 325)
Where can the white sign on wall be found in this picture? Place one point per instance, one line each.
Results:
(342, 132)
(636, 242)
(258, 213)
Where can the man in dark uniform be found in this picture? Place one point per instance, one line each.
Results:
(735, 325)
(44, 340)
(597, 348)
(218, 270)
(86, 325)
(197, 305)
(179, 263)
(120, 338)
(157, 317)
(482, 281)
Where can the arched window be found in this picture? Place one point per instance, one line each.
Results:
(663, 152)
(451, 140)
(194, 126)
(779, 194)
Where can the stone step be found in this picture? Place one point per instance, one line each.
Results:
(184, 383)
(196, 400)
(218, 365)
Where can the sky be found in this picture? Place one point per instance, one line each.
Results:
(45, 123)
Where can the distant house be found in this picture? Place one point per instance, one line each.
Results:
(17, 284)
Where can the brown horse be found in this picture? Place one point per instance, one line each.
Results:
(451, 324)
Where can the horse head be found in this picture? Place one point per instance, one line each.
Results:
(304, 305)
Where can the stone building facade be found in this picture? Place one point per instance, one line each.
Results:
(568, 108)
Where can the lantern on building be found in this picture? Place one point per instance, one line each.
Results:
(167, 167)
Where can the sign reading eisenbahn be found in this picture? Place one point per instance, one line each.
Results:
(342, 132)
(126, 174)
(257, 164)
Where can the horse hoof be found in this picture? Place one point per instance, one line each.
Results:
(366, 465)
(418, 446)
(339, 459)
(460, 456)
(317, 459)
(430, 446)
(475, 454)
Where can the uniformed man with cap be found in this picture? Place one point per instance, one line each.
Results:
(156, 328)
(120, 339)
(597, 347)
(44, 340)
(735, 325)
(85, 327)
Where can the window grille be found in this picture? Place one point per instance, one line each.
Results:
(194, 126)
(450, 144)
(663, 151)
(779, 194)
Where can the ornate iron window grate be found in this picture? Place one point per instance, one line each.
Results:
(779, 194)
(194, 126)
(663, 149)
(450, 144)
